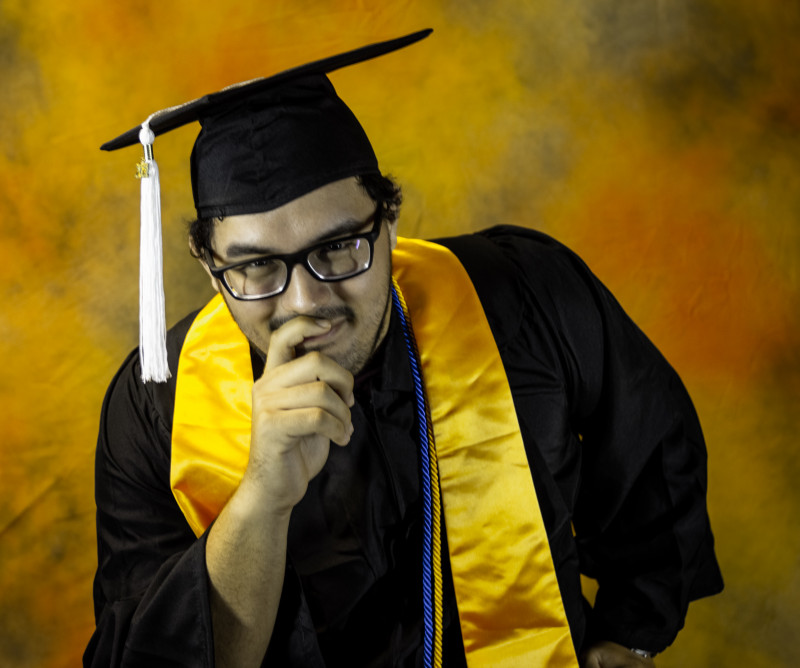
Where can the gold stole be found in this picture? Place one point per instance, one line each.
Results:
(509, 603)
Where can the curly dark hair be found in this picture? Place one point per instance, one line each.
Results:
(379, 187)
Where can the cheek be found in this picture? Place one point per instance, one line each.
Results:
(259, 311)
(362, 292)
(250, 313)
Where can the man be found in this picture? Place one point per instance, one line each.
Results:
(373, 451)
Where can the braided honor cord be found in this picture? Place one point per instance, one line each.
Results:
(431, 514)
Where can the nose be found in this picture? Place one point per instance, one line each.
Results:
(304, 294)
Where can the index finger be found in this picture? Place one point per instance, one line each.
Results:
(286, 338)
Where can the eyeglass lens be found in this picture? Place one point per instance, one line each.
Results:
(333, 260)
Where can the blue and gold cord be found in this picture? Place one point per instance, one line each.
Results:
(431, 514)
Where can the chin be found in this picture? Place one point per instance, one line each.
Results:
(353, 359)
(348, 360)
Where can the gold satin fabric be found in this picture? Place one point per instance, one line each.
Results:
(211, 422)
(508, 598)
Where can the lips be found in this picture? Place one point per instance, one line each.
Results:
(312, 342)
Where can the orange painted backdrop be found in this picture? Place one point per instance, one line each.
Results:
(659, 139)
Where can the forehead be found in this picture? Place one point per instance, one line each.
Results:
(298, 223)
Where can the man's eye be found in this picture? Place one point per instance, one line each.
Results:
(260, 267)
(335, 246)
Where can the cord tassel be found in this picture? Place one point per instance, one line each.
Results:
(152, 315)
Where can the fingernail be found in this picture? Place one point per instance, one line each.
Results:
(325, 324)
(351, 400)
(350, 430)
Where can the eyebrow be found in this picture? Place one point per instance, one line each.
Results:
(344, 228)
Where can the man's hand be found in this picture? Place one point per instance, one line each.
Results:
(300, 405)
(611, 655)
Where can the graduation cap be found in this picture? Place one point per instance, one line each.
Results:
(262, 143)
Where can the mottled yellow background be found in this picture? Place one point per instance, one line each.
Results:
(658, 138)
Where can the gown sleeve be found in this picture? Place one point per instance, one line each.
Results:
(151, 585)
(641, 518)
(151, 591)
(639, 499)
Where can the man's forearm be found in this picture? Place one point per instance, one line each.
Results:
(246, 557)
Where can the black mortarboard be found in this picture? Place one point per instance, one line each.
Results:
(262, 144)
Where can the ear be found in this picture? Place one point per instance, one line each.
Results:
(214, 282)
(392, 234)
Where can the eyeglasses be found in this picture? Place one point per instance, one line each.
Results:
(328, 261)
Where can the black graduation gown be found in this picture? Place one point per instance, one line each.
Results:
(614, 446)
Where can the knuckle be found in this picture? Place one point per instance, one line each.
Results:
(259, 404)
(263, 400)
(319, 389)
(318, 416)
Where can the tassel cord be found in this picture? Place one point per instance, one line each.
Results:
(152, 312)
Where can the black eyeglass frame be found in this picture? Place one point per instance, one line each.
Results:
(300, 257)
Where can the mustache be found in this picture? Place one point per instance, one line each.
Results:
(323, 313)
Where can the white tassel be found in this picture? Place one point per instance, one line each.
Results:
(152, 316)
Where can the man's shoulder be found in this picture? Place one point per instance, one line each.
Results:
(511, 243)
(507, 257)
(523, 273)
(176, 335)
(127, 386)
